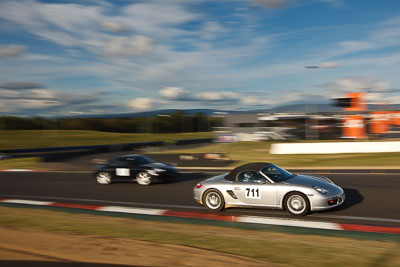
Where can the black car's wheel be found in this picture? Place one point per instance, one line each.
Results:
(213, 200)
(143, 178)
(297, 203)
(103, 177)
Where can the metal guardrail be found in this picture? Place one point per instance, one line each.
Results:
(110, 147)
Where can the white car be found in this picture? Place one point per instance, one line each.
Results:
(266, 185)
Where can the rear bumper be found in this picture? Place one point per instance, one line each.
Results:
(198, 200)
(197, 192)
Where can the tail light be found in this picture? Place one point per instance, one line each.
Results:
(198, 185)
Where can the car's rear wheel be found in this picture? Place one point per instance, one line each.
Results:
(297, 203)
(143, 178)
(103, 177)
(213, 200)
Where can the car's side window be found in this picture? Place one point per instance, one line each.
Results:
(272, 172)
(117, 161)
(249, 176)
(132, 162)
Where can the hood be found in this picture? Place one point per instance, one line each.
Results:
(161, 166)
(319, 177)
(306, 180)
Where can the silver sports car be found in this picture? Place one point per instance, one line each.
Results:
(266, 185)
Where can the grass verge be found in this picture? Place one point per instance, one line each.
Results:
(20, 163)
(279, 248)
(56, 138)
(259, 151)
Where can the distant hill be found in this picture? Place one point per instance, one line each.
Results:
(294, 108)
(153, 113)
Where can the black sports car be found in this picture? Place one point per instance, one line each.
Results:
(136, 168)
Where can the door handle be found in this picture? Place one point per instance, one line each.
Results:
(237, 188)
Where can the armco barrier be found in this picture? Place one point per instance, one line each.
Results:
(335, 147)
(111, 147)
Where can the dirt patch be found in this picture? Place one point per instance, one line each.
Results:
(28, 245)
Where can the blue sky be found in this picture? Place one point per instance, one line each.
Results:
(101, 57)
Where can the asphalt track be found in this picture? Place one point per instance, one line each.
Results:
(371, 199)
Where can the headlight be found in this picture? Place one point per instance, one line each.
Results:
(320, 190)
(152, 172)
(159, 170)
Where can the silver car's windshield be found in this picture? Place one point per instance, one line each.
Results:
(276, 173)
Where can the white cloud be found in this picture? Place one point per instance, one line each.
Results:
(212, 30)
(217, 96)
(43, 94)
(205, 69)
(329, 65)
(65, 24)
(356, 84)
(13, 105)
(393, 99)
(287, 97)
(20, 85)
(325, 65)
(390, 29)
(157, 17)
(355, 46)
(380, 36)
(9, 94)
(11, 51)
(14, 101)
(210, 97)
(113, 26)
(252, 101)
(376, 90)
(120, 46)
(173, 92)
(140, 103)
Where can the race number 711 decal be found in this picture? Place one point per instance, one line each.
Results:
(253, 193)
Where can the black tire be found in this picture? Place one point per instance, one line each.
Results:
(103, 177)
(213, 200)
(143, 178)
(297, 204)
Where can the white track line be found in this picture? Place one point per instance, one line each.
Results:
(243, 219)
(235, 213)
(107, 201)
(360, 218)
(289, 222)
(132, 210)
(28, 202)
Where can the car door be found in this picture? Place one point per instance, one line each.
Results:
(122, 169)
(251, 188)
(123, 172)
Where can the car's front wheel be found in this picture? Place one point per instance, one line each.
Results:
(213, 200)
(297, 203)
(143, 178)
(103, 177)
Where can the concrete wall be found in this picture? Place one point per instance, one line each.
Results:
(335, 147)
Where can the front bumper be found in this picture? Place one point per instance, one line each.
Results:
(164, 176)
(320, 202)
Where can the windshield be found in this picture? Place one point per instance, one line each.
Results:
(276, 173)
(139, 160)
